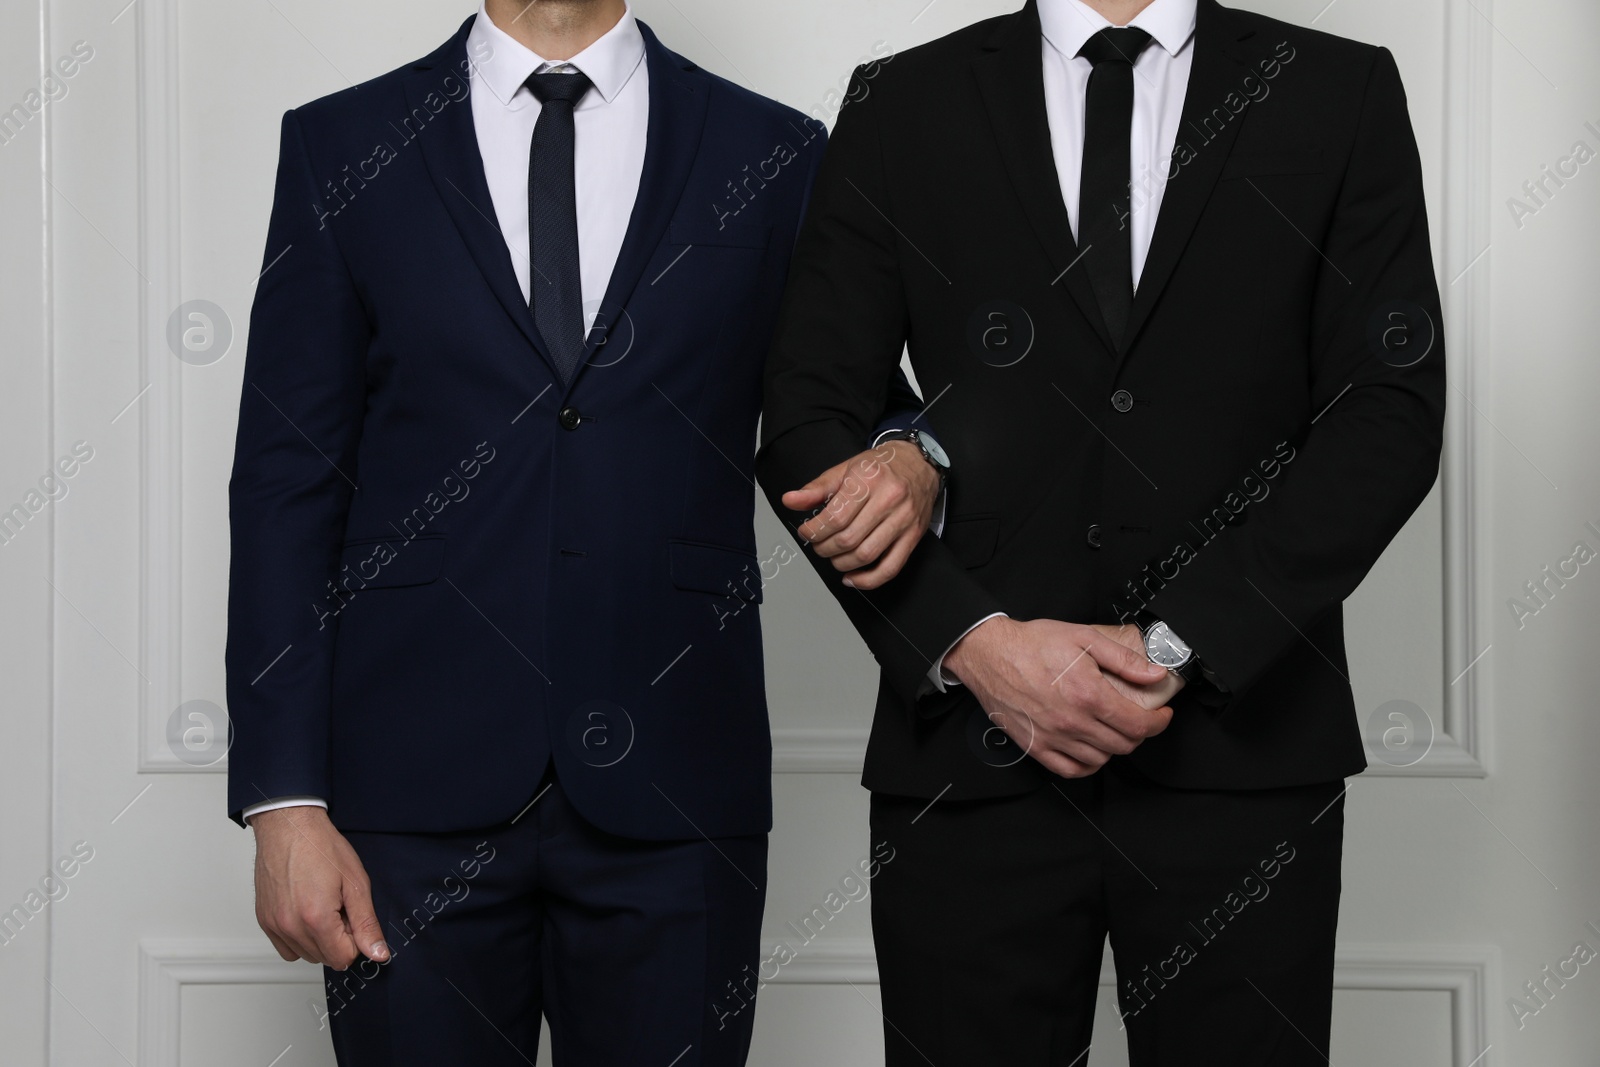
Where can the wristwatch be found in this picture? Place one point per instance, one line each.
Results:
(930, 448)
(1166, 649)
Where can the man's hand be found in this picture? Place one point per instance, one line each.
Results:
(313, 898)
(878, 507)
(1150, 696)
(1049, 686)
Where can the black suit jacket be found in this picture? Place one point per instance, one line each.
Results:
(1273, 418)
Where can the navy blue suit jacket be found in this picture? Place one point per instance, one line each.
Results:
(449, 568)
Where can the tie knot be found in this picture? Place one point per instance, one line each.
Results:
(1115, 44)
(559, 88)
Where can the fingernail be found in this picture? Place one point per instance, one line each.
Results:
(851, 582)
(380, 951)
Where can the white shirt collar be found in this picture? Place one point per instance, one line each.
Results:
(609, 62)
(1067, 24)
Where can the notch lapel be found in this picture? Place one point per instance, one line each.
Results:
(1011, 78)
(679, 92)
(1215, 78)
(449, 144)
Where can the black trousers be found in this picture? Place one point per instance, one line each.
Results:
(1221, 909)
(629, 948)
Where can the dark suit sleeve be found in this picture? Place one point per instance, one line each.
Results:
(1371, 456)
(294, 471)
(840, 334)
(902, 407)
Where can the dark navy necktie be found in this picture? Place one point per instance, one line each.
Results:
(1104, 200)
(555, 285)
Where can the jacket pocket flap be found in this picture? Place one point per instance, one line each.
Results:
(714, 569)
(379, 563)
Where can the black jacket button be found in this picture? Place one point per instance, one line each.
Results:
(569, 418)
(1122, 400)
(1093, 537)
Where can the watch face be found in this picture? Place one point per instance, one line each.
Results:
(934, 451)
(1165, 648)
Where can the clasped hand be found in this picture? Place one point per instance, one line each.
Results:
(1071, 696)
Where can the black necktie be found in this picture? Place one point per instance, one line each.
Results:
(555, 286)
(1104, 236)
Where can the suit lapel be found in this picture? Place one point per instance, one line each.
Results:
(678, 95)
(1206, 133)
(449, 145)
(1011, 78)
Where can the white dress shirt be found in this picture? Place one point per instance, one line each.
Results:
(610, 124)
(1160, 83)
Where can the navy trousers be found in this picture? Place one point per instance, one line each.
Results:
(626, 947)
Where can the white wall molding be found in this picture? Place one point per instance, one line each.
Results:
(160, 424)
(1460, 745)
(166, 966)
(1465, 972)
(819, 751)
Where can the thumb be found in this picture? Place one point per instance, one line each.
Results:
(816, 492)
(1119, 659)
(363, 920)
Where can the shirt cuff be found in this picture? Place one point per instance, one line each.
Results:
(890, 432)
(942, 681)
(282, 802)
(936, 520)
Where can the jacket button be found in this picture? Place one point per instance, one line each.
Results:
(1093, 537)
(569, 418)
(1122, 400)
